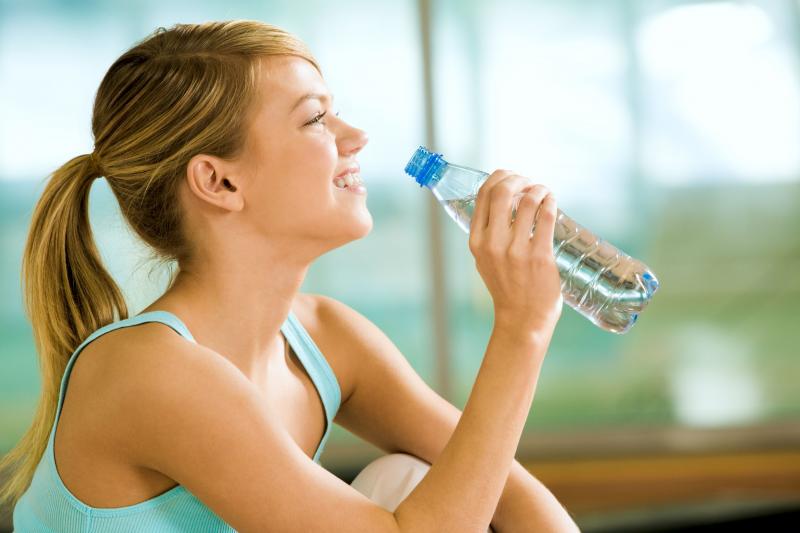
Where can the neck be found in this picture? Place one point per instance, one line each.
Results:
(236, 303)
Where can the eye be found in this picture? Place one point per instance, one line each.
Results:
(317, 119)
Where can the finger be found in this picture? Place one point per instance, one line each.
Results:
(545, 225)
(526, 211)
(480, 215)
(500, 204)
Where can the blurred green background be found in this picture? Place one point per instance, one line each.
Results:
(669, 128)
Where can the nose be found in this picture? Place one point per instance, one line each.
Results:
(351, 139)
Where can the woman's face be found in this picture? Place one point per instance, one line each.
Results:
(296, 146)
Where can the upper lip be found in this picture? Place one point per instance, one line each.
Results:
(353, 169)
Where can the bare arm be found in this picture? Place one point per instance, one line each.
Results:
(520, 272)
(390, 404)
(195, 418)
(475, 463)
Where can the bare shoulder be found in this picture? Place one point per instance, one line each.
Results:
(116, 360)
(327, 314)
(154, 353)
(195, 418)
(345, 336)
(339, 319)
(137, 373)
(126, 355)
(163, 389)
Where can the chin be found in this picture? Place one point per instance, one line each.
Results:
(363, 227)
(356, 228)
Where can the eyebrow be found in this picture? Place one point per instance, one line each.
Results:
(311, 96)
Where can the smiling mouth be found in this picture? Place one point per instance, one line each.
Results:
(348, 180)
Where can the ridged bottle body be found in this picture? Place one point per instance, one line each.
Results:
(599, 281)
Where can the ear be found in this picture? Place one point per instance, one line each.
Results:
(210, 180)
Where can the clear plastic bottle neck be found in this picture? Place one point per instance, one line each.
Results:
(453, 182)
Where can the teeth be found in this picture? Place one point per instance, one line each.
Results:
(348, 180)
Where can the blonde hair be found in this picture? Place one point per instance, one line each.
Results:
(179, 92)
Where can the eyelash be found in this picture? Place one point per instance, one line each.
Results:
(318, 119)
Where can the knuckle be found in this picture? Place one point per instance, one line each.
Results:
(542, 260)
(494, 250)
(546, 214)
(516, 255)
(538, 192)
(504, 188)
(528, 199)
(498, 176)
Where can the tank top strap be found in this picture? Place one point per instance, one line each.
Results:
(164, 317)
(318, 369)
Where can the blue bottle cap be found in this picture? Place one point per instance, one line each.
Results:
(423, 165)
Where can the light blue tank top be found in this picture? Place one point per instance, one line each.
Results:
(47, 506)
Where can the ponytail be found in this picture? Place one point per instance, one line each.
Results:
(68, 294)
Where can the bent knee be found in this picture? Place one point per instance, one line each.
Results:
(390, 478)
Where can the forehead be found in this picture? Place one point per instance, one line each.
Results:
(284, 79)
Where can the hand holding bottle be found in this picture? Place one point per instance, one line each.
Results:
(598, 280)
(518, 268)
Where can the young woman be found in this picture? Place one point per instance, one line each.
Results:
(208, 410)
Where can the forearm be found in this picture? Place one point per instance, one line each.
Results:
(527, 505)
(466, 480)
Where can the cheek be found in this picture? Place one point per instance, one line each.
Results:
(308, 156)
(328, 144)
(322, 157)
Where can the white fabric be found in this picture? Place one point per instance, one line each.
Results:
(390, 478)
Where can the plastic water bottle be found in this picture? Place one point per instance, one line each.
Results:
(602, 283)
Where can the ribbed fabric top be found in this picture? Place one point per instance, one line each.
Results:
(48, 506)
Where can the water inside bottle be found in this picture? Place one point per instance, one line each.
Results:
(460, 210)
(607, 286)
